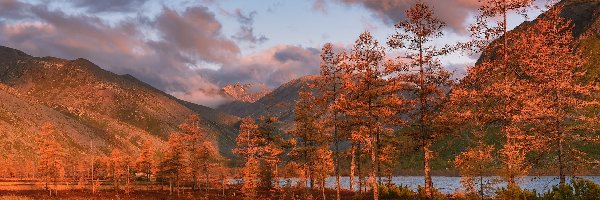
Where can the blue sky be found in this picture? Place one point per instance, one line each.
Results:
(192, 48)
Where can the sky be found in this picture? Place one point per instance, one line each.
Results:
(193, 48)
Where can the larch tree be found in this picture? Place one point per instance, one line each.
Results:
(51, 155)
(491, 94)
(260, 146)
(422, 75)
(329, 87)
(248, 147)
(203, 153)
(145, 161)
(120, 168)
(474, 165)
(367, 99)
(311, 149)
(560, 106)
(176, 166)
(270, 151)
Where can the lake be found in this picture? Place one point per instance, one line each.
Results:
(448, 185)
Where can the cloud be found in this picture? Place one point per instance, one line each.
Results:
(454, 12)
(197, 32)
(246, 32)
(272, 67)
(169, 51)
(109, 5)
(320, 5)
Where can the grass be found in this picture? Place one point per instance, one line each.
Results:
(14, 197)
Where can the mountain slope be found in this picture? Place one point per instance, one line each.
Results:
(280, 103)
(116, 110)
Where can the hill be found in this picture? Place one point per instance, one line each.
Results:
(87, 103)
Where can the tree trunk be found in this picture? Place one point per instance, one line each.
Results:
(352, 166)
(223, 185)
(373, 175)
(377, 143)
(275, 176)
(561, 164)
(148, 181)
(336, 162)
(511, 174)
(427, 170)
(323, 187)
(481, 186)
(358, 171)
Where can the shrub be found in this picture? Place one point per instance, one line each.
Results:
(436, 194)
(559, 192)
(395, 192)
(585, 189)
(579, 189)
(511, 193)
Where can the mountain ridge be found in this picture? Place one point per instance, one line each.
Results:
(114, 110)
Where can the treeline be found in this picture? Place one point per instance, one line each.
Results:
(528, 101)
(189, 160)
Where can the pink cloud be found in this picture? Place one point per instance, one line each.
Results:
(454, 12)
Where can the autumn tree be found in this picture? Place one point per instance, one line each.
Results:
(270, 151)
(491, 94)
(422, 75)
(120, 166)
(474, 165)
(560, 106)
(51, 155)
(248, 147)
(144, 161)
(81, 174)
(203, 153)
(311, 143)
(329, 87)
(8, 168)
(175, 166)
(368, 99)
(259, 145)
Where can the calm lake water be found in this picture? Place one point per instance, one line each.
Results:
(448, 185)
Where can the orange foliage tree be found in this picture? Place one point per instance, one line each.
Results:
(492, 93)
(474, 165)
(175, 166)
(311, 142)
(560, 106)
(120, 166)
(203, 153)
(248, 147)
(145, 161)
(421, 77)
(368, 100)
(329, 90)
(51, 155)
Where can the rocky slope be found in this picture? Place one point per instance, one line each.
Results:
(88, 103)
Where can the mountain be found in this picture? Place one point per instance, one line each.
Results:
(585, 16)
(279, 103)
(87, 103)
